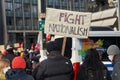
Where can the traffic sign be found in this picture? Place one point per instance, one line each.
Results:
(41, 24)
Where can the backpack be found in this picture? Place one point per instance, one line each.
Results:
(92, 74)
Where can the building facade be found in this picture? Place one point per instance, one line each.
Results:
(74, 5)
(78, 5)
(21, 18)
(21, 21)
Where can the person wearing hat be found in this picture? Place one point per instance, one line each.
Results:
(10, 54)
(113, 52)
(56, 66)
(18, 70)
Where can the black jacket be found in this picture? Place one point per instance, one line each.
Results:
(86, 73)
(55, 67)
(17, 74)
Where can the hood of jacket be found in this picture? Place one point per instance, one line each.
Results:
(15, 74)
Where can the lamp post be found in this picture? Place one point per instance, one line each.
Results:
(4, 23)
(40, 32)
(118, 14)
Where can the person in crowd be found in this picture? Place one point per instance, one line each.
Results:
(92, 68)
(1, 55)
(31, 62)
(68, 46)
(56, 66)
(104, 58)
(10, 54)
(114, 55)
(22, 54)
(4, 52)
(17, 72)
(16, 51)
(106, 61)
(35, 58)
(4, 66)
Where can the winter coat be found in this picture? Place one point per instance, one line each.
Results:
(116, 68)
(17, 74)
(10, 55)
(55, 67)
(83, 73)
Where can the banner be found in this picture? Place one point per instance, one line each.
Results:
(67, 23)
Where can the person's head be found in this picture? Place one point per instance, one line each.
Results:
(53, 50)
(9, 49)
(52, 46)
(112, 51)
(92, 54)
(1, 55)
(92, 58)
(18, 62)
(4, 63)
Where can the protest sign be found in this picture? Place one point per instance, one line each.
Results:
(67, 23)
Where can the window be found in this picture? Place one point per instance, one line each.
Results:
(76, 5)
(19, 22)
(18, 9)
(18, 1)
(8, 6)
(26, 8)
(34, 11)
(27, 22)
(35, 22)
(9, 21)
(49, 3)
(8, 0)
(26, 1)
(57, 4)
(64, 4)
(18, 6)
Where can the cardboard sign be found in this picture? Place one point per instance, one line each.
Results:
(16, 44)
(2, 47)
(67, 23)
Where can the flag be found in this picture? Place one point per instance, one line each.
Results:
(48, 36)
(21, 45)
(33, 46)
(37, 46)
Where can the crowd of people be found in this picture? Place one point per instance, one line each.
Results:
(26, 65)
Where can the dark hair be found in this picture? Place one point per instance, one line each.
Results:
(92, 59)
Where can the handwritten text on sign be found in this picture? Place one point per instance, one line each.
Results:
(67, 23)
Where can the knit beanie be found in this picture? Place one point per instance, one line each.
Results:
(18, 62)
(113, 50)
(52, 46)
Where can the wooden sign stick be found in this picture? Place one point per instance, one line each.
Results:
(63, 45)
